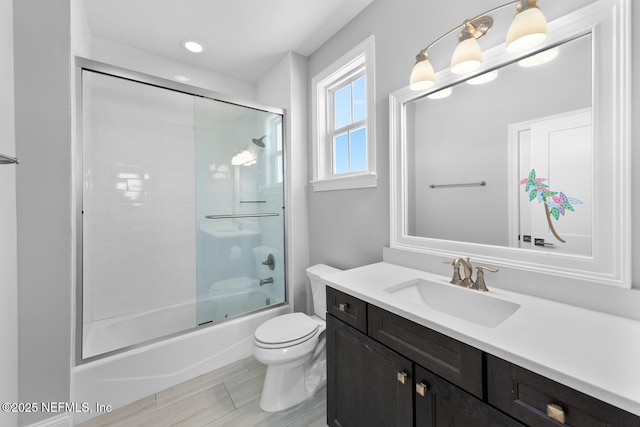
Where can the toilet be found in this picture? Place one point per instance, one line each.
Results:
(293, 348)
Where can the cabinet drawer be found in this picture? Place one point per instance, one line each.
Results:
(454, 361)
(350, 310)
(525, 396)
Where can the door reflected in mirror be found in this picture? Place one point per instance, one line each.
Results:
(528, 118)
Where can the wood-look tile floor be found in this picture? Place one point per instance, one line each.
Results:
(228, 396)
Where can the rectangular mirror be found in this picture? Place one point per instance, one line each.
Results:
(530, 168)
(457, 171)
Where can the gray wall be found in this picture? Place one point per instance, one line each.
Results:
(43, 141)
(349, 228)
(8, 272)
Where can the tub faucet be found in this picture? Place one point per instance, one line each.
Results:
(265, 281)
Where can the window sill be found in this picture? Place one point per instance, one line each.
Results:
(365, 180)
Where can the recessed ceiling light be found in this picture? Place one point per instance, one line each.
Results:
(443, 93)
(192, 46)
(181, 78)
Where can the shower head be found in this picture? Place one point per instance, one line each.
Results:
(258, 141)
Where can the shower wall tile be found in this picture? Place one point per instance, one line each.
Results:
(140, 185)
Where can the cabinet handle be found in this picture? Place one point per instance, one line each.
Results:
(556, 413)
(402, 377)
(343, 306)
(421, 389)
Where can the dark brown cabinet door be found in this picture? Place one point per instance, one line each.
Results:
(364, 383)
(445, 405)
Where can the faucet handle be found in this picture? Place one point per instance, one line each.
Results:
(480, 284)
(455, 279)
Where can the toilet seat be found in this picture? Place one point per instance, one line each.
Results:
(286, 331)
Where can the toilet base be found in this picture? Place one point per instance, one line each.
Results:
(289, 384)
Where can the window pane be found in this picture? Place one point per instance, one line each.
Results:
(358, 159)
(359, 99)
(342, 106)
(341, 153)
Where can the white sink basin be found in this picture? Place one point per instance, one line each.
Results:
(467, 304)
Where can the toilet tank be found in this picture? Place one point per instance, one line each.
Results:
(315, 272)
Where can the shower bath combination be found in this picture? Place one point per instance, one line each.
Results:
(176, 225)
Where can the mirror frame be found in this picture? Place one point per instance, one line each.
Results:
(608, 21)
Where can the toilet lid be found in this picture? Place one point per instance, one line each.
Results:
(291, 328)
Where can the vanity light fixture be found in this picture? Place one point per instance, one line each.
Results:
(468, 55)
(192, 46)
(244, 158)
(528, 29)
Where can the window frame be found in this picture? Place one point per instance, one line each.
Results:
(350, 67)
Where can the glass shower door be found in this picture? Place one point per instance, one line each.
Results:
(239, 184)
(181, 214)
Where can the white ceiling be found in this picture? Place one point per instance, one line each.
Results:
(242, 38)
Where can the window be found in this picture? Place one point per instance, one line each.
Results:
(343, 125)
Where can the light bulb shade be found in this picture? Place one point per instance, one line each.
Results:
(483, 78)
(467, 57)
(422, 76)
(540, 58)
(442, 93)
(528, 29)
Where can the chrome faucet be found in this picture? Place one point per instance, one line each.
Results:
(479, 284)
(266, 281)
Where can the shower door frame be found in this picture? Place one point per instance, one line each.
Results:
(84, 64)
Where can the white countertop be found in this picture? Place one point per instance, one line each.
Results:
(592, 352)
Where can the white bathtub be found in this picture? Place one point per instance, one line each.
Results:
(126, 377)
(123, 331)
(115, 333)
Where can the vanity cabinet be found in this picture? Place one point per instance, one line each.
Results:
(375, 377)
(385, 370)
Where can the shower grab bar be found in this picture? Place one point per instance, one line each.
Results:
(253, 201)
(6, 160)
(471, 184)
(227, 216)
